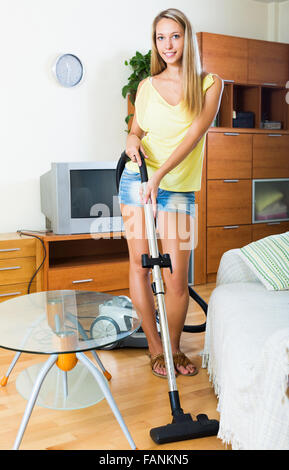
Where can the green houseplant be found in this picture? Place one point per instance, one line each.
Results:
(140, 65)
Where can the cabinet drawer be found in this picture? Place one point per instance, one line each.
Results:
(105, 276)
(15, 290)
(16, 248)
(264, 230)
(221, 239)
(229, 155)
(271, 156)
(14, 271)
(229, 203)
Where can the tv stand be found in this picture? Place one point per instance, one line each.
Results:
(93, 262)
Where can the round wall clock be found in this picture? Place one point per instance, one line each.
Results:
(68, 70)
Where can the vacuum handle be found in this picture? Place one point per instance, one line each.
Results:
(143, 169)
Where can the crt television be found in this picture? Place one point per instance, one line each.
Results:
(81, 197)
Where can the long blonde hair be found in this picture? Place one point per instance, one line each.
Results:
(191, 63)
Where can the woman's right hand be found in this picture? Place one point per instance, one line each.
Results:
(132, 149)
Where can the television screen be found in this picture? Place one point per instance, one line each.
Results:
(93, 193)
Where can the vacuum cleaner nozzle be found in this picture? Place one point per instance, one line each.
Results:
(183, 427)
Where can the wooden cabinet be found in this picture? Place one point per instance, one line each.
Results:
(93, 262)
(271, 156)
(229, 155)
(229, 202)
(244, 60)
(231, 164)
(17, 265)
(267, 62)
(224, 55)
(255, 74)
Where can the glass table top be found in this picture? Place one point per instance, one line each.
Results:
(65, 321)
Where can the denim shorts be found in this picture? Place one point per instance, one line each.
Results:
(168, 201)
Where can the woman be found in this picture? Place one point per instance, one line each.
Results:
(173, 110)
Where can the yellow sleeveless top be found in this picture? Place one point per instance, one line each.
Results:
(165, 127)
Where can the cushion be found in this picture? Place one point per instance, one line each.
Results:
(267, 196)
(268, 258)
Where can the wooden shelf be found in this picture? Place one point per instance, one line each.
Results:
(242, 130)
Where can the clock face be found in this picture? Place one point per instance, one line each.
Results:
(69, 70)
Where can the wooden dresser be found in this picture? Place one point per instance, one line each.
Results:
(93, 262)
(17, 265)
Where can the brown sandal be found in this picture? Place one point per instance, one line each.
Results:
(161, 360)
(180, 359)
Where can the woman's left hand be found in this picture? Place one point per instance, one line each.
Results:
(151, 192)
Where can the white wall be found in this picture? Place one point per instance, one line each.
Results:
(42, 122)
(284, 22)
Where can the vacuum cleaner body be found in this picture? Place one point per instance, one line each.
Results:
(116, 315)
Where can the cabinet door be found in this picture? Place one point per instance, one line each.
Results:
(271, 156)
(229, 155)
(229, 202)
(268, 62)
(225, 55)
(271, 228)
(221, 239)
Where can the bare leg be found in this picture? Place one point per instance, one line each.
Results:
(139, 278)
(175, 230)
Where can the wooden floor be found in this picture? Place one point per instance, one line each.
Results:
(141, 397)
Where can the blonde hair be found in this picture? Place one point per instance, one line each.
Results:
(191, 63)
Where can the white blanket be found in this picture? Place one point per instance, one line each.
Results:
(247, 355)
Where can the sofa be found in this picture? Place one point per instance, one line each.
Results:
(246, 349)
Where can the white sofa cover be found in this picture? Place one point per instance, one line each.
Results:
(246, 352)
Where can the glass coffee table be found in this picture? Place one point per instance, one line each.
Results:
(63, 324)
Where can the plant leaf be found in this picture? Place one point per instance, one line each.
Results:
(128, 118)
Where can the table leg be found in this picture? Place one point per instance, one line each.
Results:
(106, 391)
(65, 386)
(33, 397)
(85, 336)
(4, 380)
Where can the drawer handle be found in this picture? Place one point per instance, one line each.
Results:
(229, 81)
(273, 223)
(269, 84)
(231, 181)
(82, 280)
(274, 135)
(231, 133)
(231, 226)
(10, 267)
(9, 249)
(10, 293)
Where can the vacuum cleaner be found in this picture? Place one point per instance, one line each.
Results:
(183, 426)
